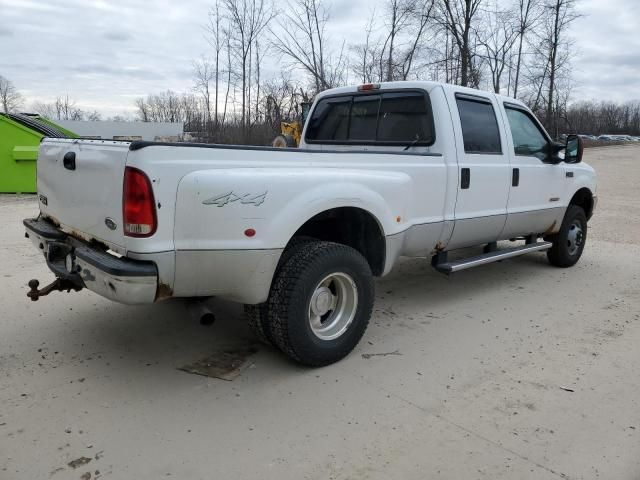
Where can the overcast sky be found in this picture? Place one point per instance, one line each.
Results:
(104, 54)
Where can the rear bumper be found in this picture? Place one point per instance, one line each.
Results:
(117, 278)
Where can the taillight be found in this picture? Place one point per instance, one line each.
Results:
(138, 204)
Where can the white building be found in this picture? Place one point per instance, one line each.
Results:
(108, 130)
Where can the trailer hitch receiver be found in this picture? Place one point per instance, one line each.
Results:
(58, 285)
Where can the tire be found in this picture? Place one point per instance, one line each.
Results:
(284, 141)
(320, 303)
(569, 242)
(258, 320)
(257, 316)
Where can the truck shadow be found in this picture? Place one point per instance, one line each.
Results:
(165, 336)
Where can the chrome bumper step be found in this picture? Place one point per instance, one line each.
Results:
(441, 263)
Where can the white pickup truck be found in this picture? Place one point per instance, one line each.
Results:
(385, 170)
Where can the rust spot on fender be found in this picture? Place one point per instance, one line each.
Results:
(164, 291)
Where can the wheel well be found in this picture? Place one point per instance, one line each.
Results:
(584, 199)
(350, 226)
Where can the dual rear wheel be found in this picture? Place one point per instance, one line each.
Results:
(319, 305)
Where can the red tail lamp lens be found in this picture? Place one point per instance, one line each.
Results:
(368, 87)
(138, 204)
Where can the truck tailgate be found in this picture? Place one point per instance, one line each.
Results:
(84, 192)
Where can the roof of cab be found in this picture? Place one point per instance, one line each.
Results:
(424, 85)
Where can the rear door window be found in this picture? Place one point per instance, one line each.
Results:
(480, 130)
(392, 118)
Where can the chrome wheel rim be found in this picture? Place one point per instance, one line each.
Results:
(333, 306)
(575, 237)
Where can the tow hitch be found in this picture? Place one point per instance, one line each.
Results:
(59, 285)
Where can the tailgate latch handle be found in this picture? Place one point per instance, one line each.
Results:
(69, 160)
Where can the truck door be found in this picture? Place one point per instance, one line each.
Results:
(483, 171)
(537, 186)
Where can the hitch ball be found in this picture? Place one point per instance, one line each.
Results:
(33, 289)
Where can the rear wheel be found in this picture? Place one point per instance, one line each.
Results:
(569, 242)
(257, 316)
(320, 303)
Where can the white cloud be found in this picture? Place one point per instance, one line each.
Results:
(106, 53)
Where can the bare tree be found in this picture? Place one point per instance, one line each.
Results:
(248, 18)
(301, 37)
(423, 11)
(162, 107)
(216, 40)
(528, 14)
(63, 108)
(204, 73)
(400, 13)
(66, 109)
(47, 110)
(143, 110)
(365, 53)
(229, 76)
(604, 118)
(497, 39)
(457, 17)
(391, 52)
(10, 98)
(93, 116)
(281, 99)
(560, 14)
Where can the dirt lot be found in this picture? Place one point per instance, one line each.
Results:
(515, 370)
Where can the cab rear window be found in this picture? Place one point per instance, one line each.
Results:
(390, 118)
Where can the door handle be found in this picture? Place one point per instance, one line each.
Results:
(515, 178)
(465, 178)
(69, 160)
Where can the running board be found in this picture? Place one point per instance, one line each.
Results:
(441, 263)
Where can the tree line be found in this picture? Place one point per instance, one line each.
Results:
(598, 118)
(62, 108)
(519, 48)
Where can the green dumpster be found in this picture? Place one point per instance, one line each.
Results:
(20, 137)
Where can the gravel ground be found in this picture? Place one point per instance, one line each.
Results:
(515, 370)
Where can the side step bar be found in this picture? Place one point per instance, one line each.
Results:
(441, 263)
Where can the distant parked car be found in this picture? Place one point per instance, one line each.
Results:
(621, 138)
(605, 138)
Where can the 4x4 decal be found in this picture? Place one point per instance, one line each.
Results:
(230, 197)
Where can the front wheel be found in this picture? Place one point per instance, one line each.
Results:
(569, 242)
(321, 302)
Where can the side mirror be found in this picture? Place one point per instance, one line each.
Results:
(573, 150)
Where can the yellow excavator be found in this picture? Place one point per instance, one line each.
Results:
(291, 132)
